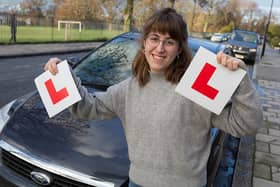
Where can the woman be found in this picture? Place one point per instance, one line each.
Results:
(168, 136)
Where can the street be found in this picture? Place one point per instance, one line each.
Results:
(17, 74)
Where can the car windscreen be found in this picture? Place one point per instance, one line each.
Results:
(245, 36)
(109, 64)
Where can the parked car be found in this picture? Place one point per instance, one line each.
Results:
(64, 151)
(220, 37)
(226, 36)
(217, 37)
(244, 45)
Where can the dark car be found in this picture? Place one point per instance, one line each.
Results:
(244, 45)
(64, 151)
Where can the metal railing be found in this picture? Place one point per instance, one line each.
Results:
(29, 29)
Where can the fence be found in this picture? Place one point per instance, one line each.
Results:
(30, 29)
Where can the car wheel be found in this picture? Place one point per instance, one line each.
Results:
(250, 62)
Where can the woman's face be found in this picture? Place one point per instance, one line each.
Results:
(160, 51)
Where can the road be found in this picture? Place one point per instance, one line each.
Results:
(17, 74)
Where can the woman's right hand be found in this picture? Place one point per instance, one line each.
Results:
(51, 65)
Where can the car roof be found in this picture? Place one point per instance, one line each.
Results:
(241, 30)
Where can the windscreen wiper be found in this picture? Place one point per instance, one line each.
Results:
(96, 85)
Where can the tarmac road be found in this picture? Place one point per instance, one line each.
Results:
(17, 74)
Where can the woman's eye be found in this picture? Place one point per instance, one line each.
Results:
(154, 39)
(171, 42)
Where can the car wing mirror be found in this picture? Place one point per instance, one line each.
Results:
(72, 61)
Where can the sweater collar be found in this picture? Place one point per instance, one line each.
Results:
(157, 77)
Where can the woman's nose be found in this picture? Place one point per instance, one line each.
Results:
(160, 46)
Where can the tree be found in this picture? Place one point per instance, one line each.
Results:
(171, 3)
(128, 14)
(144, 9)
(193, 16)
(196, 5)
(33, 7)
(261, 24)
(209, 6)
(251, 8)
(228, 13)
(78, 9)
(274, 34)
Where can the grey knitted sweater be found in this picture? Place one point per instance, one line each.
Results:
(168, 135)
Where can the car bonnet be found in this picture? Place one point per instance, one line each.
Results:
(96, 148)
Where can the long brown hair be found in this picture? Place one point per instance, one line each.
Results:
(164, 21)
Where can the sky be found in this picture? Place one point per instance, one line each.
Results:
(265, 6)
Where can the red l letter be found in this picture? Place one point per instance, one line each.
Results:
(201, 83)
(56, 96)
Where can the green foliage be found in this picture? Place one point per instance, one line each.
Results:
(274, 30)
(274, 34)
(275, 41)
(226, 29)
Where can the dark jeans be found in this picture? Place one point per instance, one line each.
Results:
(132, 184)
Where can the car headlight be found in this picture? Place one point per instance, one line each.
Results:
(9, 109)
(252, 50)
(229, 46)
(4, 114)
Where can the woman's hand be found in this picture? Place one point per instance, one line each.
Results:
(51, 65)
(230, 62)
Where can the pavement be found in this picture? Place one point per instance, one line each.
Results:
(266, 170)
(258, 162)
(20, 50)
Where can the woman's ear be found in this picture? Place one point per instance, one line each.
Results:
(144, 44)
(179, 51)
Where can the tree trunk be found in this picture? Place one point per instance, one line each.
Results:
(171, 3)
(128, 13)
(193, 16)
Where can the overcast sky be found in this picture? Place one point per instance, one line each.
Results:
(265, 5)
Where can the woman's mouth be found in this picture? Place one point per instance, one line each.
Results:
(158, 57)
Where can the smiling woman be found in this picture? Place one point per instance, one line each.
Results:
(123, 131)
(140, 101)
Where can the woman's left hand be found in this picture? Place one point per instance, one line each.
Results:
(230, 62)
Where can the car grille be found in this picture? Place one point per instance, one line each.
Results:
(24, 169)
